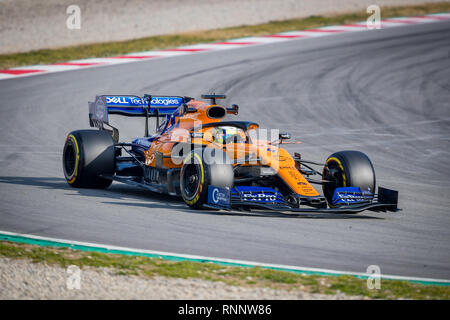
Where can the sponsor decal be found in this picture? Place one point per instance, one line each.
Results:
(219, 196)
(258, 194)
(165, 101)
(349, 195)
(293, 173)
(259, 197)
(136, 101)
(123, 101)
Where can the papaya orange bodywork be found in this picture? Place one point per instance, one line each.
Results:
(265, 153)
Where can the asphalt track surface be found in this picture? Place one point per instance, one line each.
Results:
(383, 92)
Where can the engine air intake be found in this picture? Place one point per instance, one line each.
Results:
(216, 112)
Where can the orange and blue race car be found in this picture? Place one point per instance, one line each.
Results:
(213, 162)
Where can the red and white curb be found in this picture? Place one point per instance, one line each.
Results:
(25, 71)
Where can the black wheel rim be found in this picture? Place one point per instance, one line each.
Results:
(191, 181)
(69, 160)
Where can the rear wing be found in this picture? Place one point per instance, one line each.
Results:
(132, 106)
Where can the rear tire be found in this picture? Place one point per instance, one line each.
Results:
(348, 169)
(88, 154)
(201, 169)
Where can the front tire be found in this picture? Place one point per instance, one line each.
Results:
(202, 168)
(348, 169)
(87, 155)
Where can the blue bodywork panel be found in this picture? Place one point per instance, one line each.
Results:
(219, 197)
(257, 195)
(135, 105)
(351, 195)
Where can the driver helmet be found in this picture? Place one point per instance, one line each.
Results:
(224, 135)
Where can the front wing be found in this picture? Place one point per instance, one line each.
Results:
(234, 199)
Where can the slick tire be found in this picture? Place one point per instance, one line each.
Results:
(348, 169)
(202, 168)
(87, 155)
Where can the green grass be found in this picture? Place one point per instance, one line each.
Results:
(248, 277)
(47, 56)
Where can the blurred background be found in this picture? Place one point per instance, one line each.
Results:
(39, 24)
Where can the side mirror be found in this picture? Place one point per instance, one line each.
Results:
(234, 109)
(187, 109)
(213, 97)
(284, 136)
